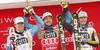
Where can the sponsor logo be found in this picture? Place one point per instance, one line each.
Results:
(3, 31)
(32, 19)
(94, 48)
(33, 43)
(3, 45)
(51, 48)
(50, 41)
(6, 20)
(61, 27)
(11, 19)
(21, 41)
(62, 38)
(68, 39)
(75, 24)
(49, 34)
(91, 24)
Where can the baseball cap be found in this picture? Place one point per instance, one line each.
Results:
(18, 19)
(82, 14)
(46, 14)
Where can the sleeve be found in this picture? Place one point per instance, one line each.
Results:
(34, 28)
(66, 17)
(26, 24)
(8, 45)
(95, 39)
(57, 26)
(38, 19)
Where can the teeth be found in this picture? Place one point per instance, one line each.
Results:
(83, 21)
(48, 22)
(20, 27)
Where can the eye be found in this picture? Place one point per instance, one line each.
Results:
(18, 23)
(22, 23)
(85, 17)
(50, 18)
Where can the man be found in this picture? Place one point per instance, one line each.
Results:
(49, 35)
(89, 34)
(87, 31)
(23, 36)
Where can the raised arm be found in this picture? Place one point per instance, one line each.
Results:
(66, 19)
(34, 28)
(38, 20)
(26, 24)
(26, 14)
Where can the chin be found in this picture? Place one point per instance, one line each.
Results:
(83, 24)
(21, 30)
(48, 25)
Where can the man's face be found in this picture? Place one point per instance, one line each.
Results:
(83, 20)
(19, 26)
(48, 21)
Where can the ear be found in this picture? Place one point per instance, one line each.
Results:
(15, 25)
(52, 19)
(43, 20)
(78, 19)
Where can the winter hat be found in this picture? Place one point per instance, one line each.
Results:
(18, 19)
(82, 14)
(46, 14)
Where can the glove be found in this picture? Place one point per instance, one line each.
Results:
(64, 4)
(79, 38)
(28, 10)
(31, 11)
(25, 10)
(26, 13)
(84, 41)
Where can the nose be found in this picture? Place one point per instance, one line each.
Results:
(48, 20)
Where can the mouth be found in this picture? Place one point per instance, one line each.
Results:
(20, 27)
(83, 22)
(48, 22)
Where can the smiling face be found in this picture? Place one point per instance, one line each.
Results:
(83, 20)
(19, 26)
(47, 20)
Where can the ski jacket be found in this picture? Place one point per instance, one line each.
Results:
(50, 39)
(33, 29)
(89, 33)
(53, 34)
(23, 41)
